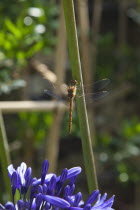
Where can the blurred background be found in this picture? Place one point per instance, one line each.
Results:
(34, 56)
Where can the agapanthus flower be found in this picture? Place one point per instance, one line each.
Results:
(51, 192)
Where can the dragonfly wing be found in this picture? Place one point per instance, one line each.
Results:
(94, 96)
(57, 97)
(56, 91)
(95, 86)
(52, 94)
(99, 85)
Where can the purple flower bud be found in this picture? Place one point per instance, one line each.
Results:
(51, 185)
(14, 182)
(45, 167)
(78, 198)
(72, 188)
(44, 189)
(47, 179)
(66, 191)
(63, 175)
(33, 192)
(47, 206)
(40, 189)
(61, 180)
(20, 204)
(28, 173)
(38, 201)
(72, 180)
(28, 183)
(9, 206)
(73, 172)
(87, 207)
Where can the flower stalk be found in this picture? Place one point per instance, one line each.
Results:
(81, 105)
(4, 155)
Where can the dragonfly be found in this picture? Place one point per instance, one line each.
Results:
(71, 92)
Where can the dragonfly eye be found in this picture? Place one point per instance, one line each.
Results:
(73, 82)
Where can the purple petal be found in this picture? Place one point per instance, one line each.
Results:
(40, 189)
(28, 182)
(28, 173)
(78, 198)
(22, 168)
(109, 202)
(72, 180)
(2, 207)
(33, 192)
(63, 175)
(20, 204)
(47, 206)
(38, 200)
(100, 208)
(44, 189)
(66, 191)
(21, 171)
(47, 179)
(75, 208)
(51, 185)
(14, 182)
(100, 204)
(87, 207)
(103, 198)
(33, 204)
(92, 197)
(14, 179)
(10, 170)
(72, 188)
(81, 203)
(56, 201)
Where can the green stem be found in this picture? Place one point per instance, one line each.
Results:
(4, 156)
(81, 106)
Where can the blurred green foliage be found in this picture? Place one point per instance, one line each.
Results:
(22, 35)
(106, 59)
(38, 122)
(25, 36)
(123, 150)
(7, 83)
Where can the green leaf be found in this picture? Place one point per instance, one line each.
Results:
(35, 48)
(13, 29)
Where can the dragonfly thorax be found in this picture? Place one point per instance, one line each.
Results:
(71, 91)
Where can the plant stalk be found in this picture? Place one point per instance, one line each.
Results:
(4, 157)
(81, 105)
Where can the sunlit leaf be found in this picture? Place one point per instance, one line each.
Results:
(13, 28)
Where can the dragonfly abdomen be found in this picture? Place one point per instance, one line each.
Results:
(70, 114)
(71, 95)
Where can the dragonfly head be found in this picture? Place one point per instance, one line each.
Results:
(73, 83)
